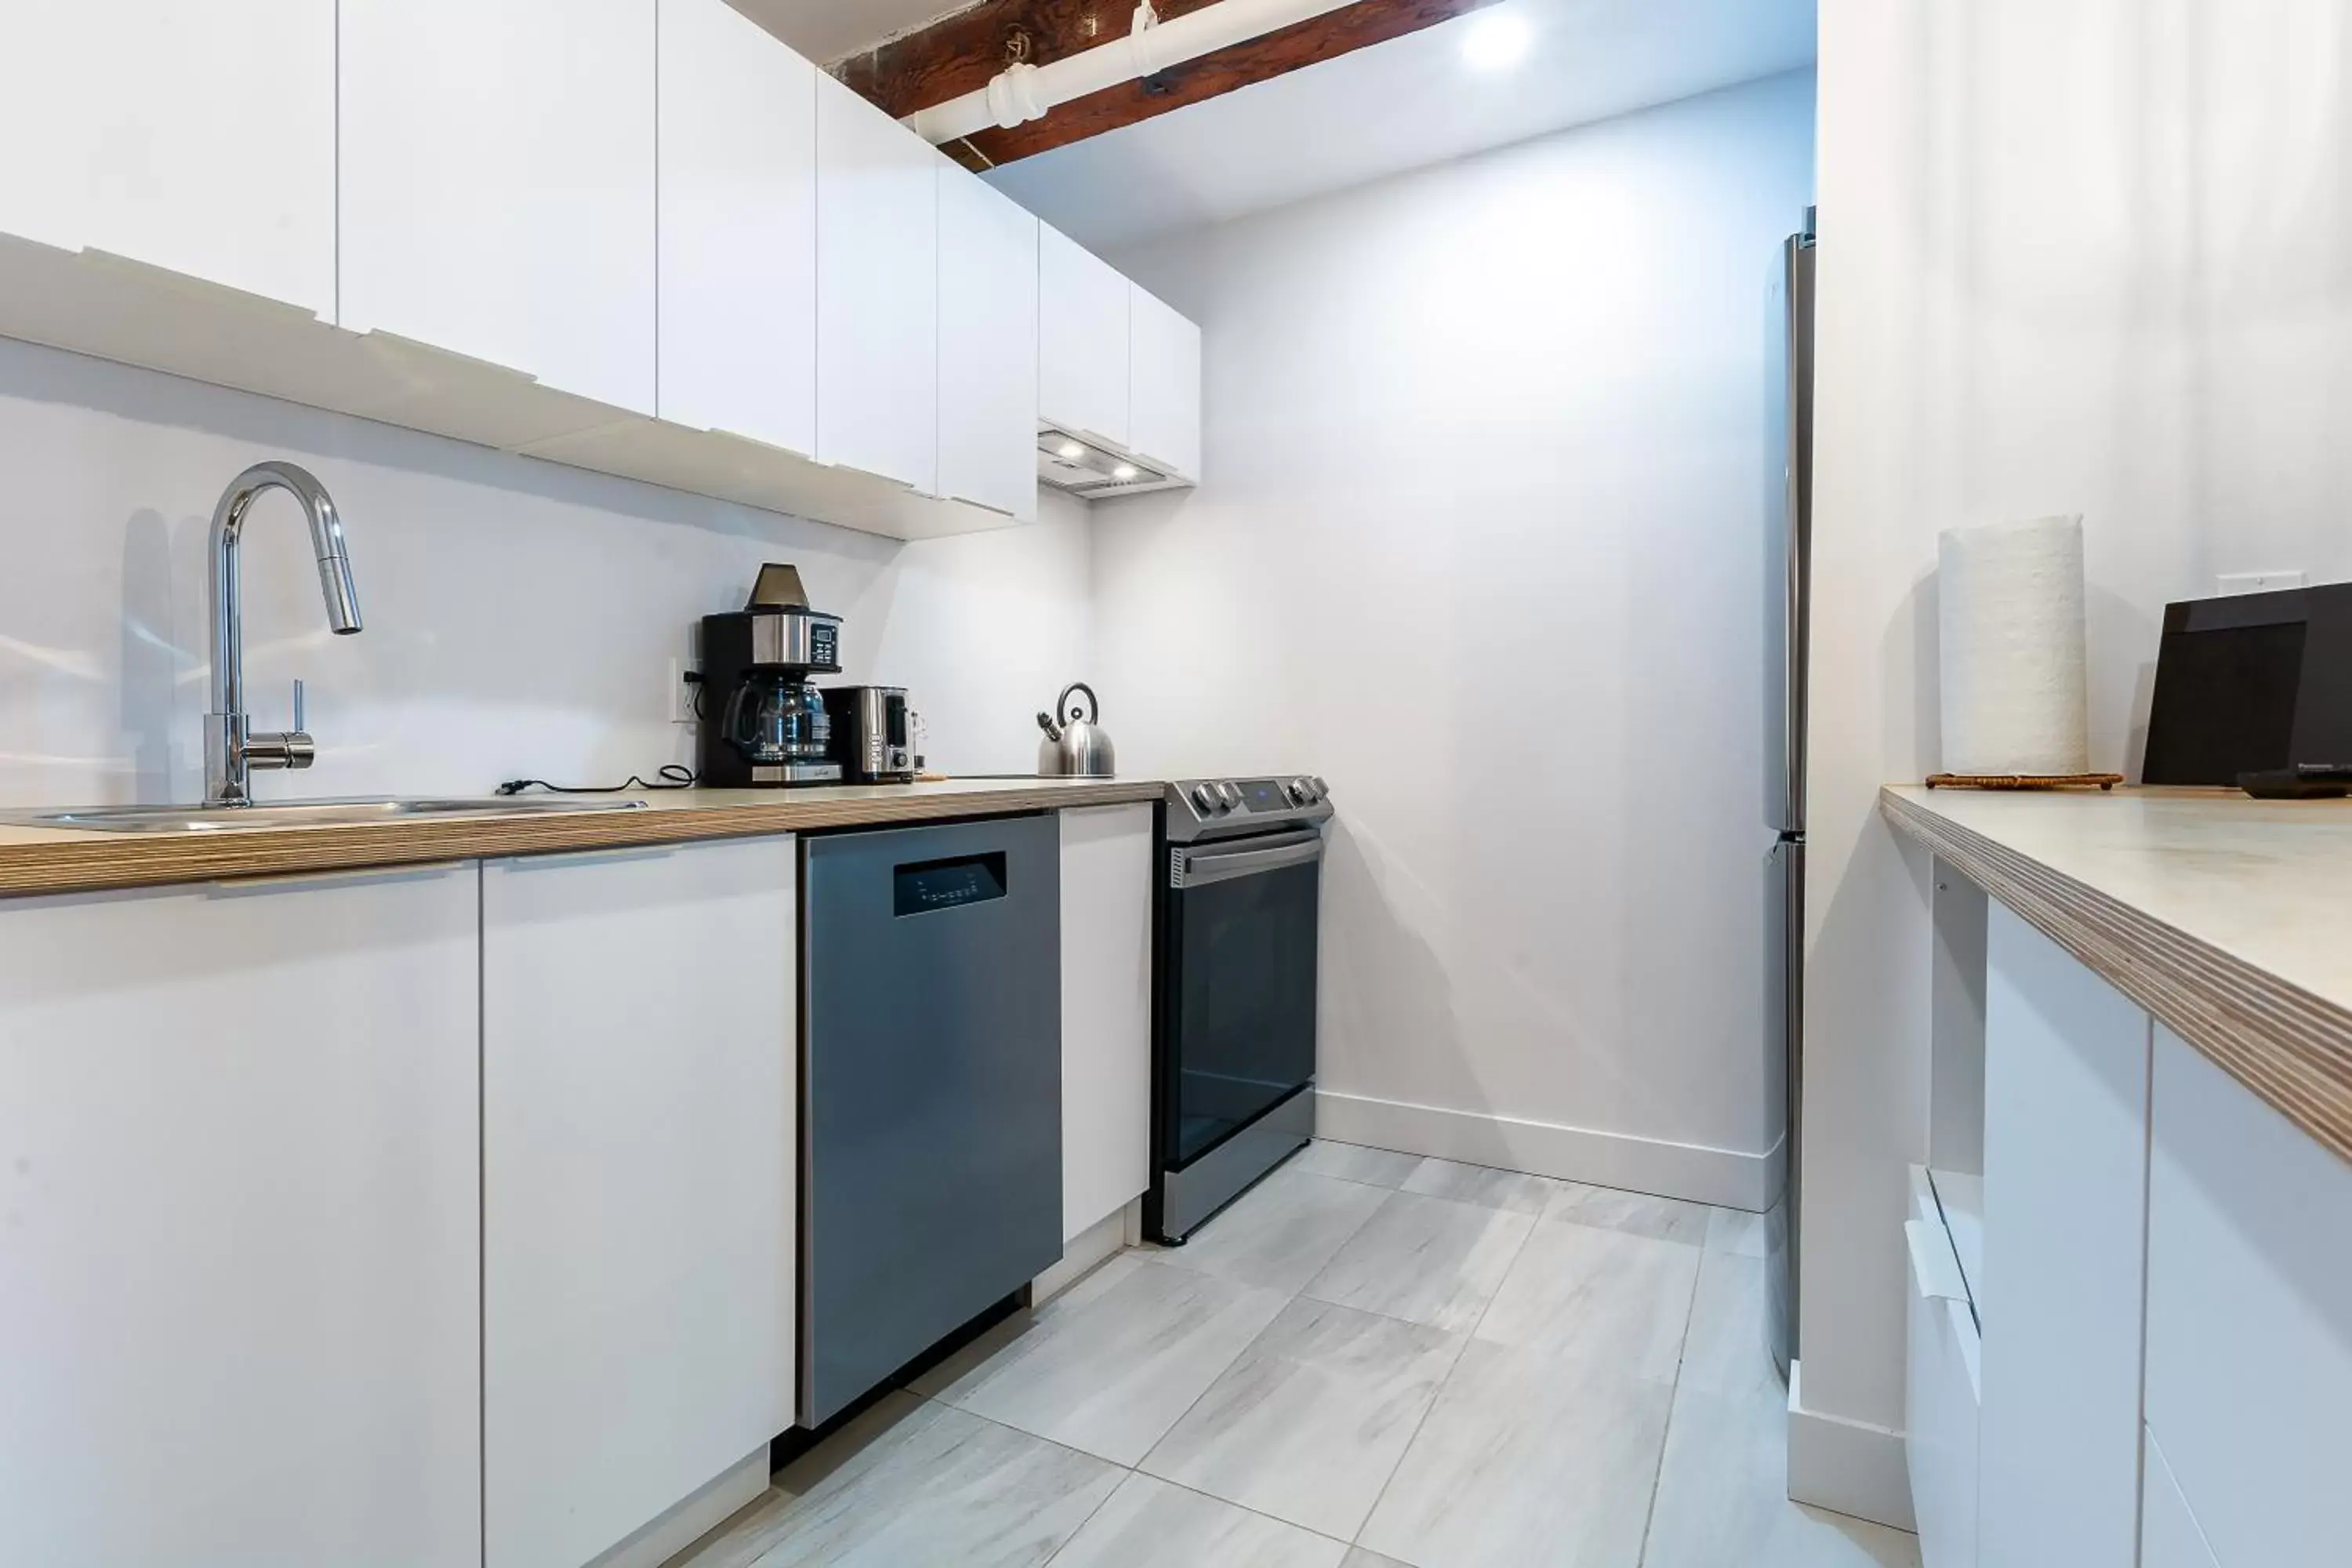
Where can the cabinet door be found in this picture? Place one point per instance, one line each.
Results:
(2065, 1170)
(877, 197)
(238, 1264)
(988, 345)
(2249, 1315)
(638, 1138)
(2169, 1536)
(738, 274)
(1165, 423)
(496, 185)
(194, 136)
(1107, 891)
(1082, 340)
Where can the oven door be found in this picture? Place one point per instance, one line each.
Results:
(1238, 1028)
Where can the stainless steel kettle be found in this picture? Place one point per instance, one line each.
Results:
(1075, 746)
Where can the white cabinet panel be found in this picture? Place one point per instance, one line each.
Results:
(737, 224)
(1942, 1375)
(1082, 339)
(498, 184)
(638, 1152)
(194, 136)
(1165, 401)
(2169, 1536)
(2249, 1315)
(1107, 891)
(238, 1145)
(877, 196)
(988, 345)
(2065, 1166)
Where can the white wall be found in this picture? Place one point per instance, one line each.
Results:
(521, 617)
(2092, 258)
(1480, 542)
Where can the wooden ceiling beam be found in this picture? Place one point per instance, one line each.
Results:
(959, 53)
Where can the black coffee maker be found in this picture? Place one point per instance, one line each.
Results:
(762, 722)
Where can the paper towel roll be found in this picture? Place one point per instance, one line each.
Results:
(2010, 608)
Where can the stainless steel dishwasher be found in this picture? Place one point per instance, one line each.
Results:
(930, 1088)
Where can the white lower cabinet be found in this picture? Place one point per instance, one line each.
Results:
(1942, 1383)
(2169, 1535)
(238, 1194)
(1106, 893)
(2065, 1140)
(2248, 1317)
(638, 1154)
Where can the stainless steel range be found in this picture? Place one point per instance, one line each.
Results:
(1234, 1037)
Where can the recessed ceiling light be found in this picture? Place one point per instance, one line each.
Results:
(1071, 450)
(1496, 41)
(1124, 472)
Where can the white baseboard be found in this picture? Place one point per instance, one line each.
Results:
(1100, 1240)
(1847, 1467)
(1688, 1171)
(716, 1501)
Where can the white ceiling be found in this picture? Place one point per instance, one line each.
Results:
(1400, 105)
(826, 30)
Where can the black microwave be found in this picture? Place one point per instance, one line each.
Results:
(2252, 682)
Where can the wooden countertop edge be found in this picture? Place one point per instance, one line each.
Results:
(89, 863)
(2291, 1047)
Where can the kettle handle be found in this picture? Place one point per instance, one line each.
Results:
(1092, 712)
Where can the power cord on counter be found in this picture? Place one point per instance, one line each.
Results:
(670, 776)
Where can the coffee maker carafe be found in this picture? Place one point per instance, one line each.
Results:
(762, 722)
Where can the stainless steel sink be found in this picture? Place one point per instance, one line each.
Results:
(299, 814)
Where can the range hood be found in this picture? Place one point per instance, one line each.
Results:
(1090, 470)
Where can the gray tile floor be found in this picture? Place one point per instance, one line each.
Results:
(1372, 1360)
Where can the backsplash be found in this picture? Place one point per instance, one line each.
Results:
(521, 617)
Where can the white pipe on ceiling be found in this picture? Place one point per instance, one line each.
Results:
(1024, 93)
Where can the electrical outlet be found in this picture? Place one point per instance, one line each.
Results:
(2260, 582)
(681, 692)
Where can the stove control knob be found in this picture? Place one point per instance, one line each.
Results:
(1322, 790)
(1232, 796)
(1205, 800)
(1302, 792)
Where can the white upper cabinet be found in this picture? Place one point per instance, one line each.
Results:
(738, 226)
(239, 1255)
(1164, 417)
(1082, 341)
(988, 345)
(877, 258)
(498, 184)
(192, 136)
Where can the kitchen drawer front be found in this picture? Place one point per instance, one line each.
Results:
(1941, 1392)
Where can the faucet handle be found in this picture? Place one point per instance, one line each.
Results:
(294, 749)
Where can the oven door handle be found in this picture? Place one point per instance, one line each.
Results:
(1199, 867)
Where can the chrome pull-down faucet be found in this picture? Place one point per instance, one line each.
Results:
(231, 749)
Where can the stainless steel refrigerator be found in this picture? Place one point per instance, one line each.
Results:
(1789, 489)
